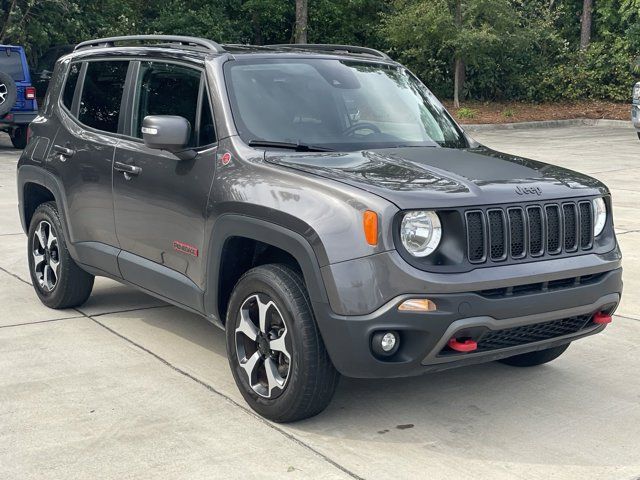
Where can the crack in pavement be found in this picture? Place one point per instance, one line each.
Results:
(212, 389)
(40, 321)
(15, 276)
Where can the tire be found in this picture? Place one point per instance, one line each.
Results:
(65, 285)
(638, 135)
(299, 388)
(8, 93)
(533, 359)
(19, 137)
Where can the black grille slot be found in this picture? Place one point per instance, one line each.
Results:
(570, 227)
(586, 225)
(536, 231)
(513, 337)
(475, 236)
(516, 230)
(497, 235)
(554, 232)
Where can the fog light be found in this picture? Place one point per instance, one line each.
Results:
(385, 344)
(417, 305)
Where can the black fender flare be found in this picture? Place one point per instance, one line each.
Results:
(40, 176)
(234, 225)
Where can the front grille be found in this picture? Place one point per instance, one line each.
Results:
(497, 234)
(513, 337)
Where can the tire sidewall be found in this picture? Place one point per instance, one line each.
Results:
(254, 283)
(12, 93)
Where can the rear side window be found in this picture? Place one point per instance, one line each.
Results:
(70, 85)
(102, 95)
(11, 63)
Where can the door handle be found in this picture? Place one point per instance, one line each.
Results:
(128, 170)
(63, 151)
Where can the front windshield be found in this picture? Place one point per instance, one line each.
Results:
(335, 104)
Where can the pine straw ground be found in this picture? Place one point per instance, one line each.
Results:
(510, 112)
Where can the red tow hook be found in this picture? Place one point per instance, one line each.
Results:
(467, 345)
(602, 318)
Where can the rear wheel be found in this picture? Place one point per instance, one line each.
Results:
(58, 281)
(275, 351)
(532, 359)
(19, 137)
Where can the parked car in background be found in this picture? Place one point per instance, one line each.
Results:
(18, 105)
(43, 68)
(635, 108)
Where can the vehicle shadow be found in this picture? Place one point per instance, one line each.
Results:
(488, 412)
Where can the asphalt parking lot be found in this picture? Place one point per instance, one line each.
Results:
(129, 387)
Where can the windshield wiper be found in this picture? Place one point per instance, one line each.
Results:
(298, 147)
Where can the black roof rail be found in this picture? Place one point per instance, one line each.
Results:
(326, 47)
(110, 41)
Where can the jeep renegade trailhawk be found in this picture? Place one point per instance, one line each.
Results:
(315, 201)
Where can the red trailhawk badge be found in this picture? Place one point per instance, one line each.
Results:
(185, 248)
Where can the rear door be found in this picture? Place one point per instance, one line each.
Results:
(160, 210)
(82, 156)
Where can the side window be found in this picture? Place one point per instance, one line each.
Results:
(170, 89)
(166, 89)
(70, 85)
(102, 94)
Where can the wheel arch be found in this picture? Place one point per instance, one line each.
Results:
(36, 186)
(286, 246)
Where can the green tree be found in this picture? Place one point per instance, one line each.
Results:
(450, 35)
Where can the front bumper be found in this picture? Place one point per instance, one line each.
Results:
(424, 336)
(635, 115)
(18, 118)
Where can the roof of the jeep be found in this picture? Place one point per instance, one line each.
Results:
(201, 46)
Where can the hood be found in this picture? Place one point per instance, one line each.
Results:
(434, 177)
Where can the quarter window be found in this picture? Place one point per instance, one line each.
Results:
(102, 95)
(70, 85)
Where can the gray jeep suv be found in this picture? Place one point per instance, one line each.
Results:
(317, 203)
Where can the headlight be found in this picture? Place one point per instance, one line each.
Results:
(636, 91)
(599, 216)
(420, 232)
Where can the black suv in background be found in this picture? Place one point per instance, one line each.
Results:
(315, 201)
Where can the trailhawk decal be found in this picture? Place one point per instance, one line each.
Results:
(185, 248)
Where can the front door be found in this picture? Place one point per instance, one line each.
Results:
(160, 204)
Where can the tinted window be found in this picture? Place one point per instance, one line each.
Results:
(207, 127)
(11, 63)
(102, 94)
(342, 105)
(70, 85)
(167, 89)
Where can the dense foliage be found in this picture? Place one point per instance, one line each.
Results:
(510, 49)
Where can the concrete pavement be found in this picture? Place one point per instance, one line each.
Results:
(129, 387)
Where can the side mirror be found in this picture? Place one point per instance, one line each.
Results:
(168, 132)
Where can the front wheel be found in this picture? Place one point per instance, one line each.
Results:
(277, 356)
(532, 359)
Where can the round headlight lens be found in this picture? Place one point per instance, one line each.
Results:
(420, 232)
(599, 216)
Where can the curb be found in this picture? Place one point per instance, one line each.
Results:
(549, 124)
